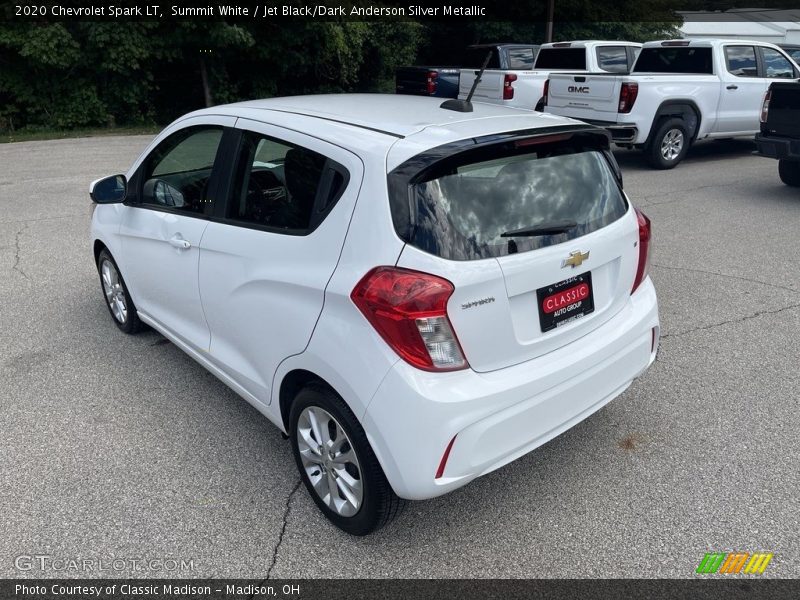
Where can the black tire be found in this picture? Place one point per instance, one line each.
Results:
(380, 504)
(666, 158)
(789, 172)
(130, 323)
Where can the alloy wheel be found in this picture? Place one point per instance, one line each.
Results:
(330, 461)
(672, 144)
(115, 293)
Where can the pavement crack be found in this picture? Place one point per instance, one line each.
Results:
(740, 278)
(731, 321)
(285, 524)
(15, 266)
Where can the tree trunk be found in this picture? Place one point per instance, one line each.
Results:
(204, 77)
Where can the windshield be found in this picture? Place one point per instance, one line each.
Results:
(462, 213)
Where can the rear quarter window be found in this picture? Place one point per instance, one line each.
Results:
(464, 205)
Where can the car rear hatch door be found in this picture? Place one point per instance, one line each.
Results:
(520, 296)
(584, 96)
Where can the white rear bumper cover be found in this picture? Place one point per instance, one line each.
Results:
(502, 415)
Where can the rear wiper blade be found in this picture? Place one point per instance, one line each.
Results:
(551, 228)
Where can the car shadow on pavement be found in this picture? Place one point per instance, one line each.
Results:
(703, 151)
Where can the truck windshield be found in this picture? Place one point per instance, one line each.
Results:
(464, 206)
(561, 58)
(675, 60)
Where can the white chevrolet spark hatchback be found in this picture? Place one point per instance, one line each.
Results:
(415, 295)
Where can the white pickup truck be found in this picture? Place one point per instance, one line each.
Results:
(679, 91)
(524, 88)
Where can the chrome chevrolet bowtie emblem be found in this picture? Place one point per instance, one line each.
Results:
(575, 259)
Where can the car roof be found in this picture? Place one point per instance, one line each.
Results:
(394, 115)
(587, 43)
(706, 42)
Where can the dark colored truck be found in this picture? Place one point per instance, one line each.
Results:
(780, 130)
(442, 82)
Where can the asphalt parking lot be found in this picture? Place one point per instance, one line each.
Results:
(119, 447)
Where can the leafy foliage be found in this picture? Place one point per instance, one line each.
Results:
(88, 74)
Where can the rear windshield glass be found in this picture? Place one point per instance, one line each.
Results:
(462, 212)
(561, 58)
(474, 57)
(674, 60)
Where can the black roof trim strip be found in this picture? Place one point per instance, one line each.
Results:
(303, 114)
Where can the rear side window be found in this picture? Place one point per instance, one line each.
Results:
(741, 61)
(474, 57)
(675, 60)
(282, 186)
(561, 58)
(463, 207)
(520, 59)
(613, 59)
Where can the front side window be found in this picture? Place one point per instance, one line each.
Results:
(282, 186)
(613, 59)
(776, 65)
(464, 207)
(741, 61)
(177, 172)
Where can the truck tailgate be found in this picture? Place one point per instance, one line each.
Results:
(489, 88)
(584, 96)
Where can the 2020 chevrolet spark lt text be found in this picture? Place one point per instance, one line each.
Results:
(416, 296)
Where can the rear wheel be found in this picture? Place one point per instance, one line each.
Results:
(118, 300)
(789, 172)
(669, 144)
(337, 464)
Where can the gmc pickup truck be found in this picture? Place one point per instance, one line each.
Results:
(679, 91)
(522, 86)
(780, 130)
(442, 82)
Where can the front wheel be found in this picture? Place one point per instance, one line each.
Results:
(118, 299)
(789, 172)
(669, 144)
(337, 464)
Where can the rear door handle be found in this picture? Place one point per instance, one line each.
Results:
(177, 241)
(732, 87)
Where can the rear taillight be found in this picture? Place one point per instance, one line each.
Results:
(508, 89)
(644, 249)
(765, 106)
(409, 311)
(431, 82)
(627, 96)
(545, 91)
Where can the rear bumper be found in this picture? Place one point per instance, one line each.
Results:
(621, 133)
(499, 416)
(778, 147)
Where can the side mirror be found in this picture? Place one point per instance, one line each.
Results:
(109, 190)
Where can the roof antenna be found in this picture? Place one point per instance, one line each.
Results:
(466, 105)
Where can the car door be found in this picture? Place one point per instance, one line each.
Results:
(164, 221)
(267, 257)
(741, 90)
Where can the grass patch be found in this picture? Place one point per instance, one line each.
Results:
(58, 134)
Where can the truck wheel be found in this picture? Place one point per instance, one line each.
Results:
(789, 171)
(669, 144)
